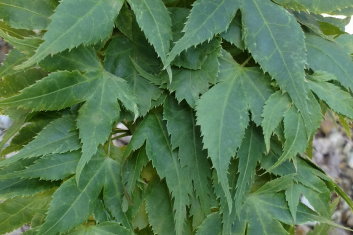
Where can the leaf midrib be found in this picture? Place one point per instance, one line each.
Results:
(277, 47)
(82, 192)
(24, 9)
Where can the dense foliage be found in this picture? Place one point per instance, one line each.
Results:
(221, 98)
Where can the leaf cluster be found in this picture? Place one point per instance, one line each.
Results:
(221, 100)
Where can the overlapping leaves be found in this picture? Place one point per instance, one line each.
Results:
(221, 99)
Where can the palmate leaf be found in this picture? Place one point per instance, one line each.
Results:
(327, 56)
(57, 137)
(206, 19)
(222, 113)
(159, 209)
(159, 150)
(185, 136)
(100, 111)
(94, 20)
(121, 55)
(20, 210)
(99, 89)
(23, 14)
(154, 20)
(283, 59)
(71, 202)
(323, 6)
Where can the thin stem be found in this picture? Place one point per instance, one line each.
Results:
(121, 136)
(246, 61)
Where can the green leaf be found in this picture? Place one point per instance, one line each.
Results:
(15, 187)
(100, 111)
(273, 113)
(318, 200)
(206, 19)
(324, 6)
(120, 57)
(71, 202)
(106, 228)
(159, 209)
(18, 211)
(26, 133)
(81, 58)
(211, 225)
(154, 20)
(18, 118)
(47, 93)
(186, 136)
(277, 185)
(222, 113)
(159, 150)
(25, 45)
(260, 218)
(284, 59)
(338, 99)
(295, 134)
(190, 84)
(13, 58)
(234, 33)
(249, 154)
(346, 41)
(52, 167)
(293, 194)
(328, 56)
(70, 28)
(316, 115)
(133, 168)
(194, 57)
(11, 84)
(57, 137)
(274, 206)
(23, 14)
(113, 191)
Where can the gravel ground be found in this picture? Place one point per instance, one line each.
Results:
(333, 152)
